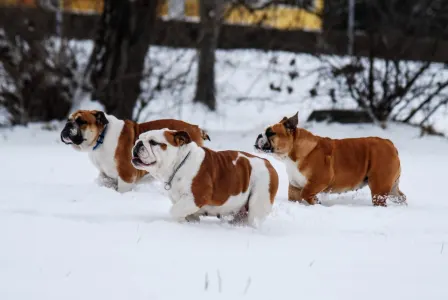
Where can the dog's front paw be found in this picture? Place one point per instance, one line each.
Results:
(192, 218)
(123, 186)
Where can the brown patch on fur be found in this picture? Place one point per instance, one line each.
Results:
(219, 167)
(223, 174)
(129, 135)
(273, 182)
(177, 138)
(339, 165)
(123, 154)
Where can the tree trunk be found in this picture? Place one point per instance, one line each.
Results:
(118, 59)
(211, 17)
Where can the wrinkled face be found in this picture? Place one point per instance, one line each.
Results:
(278, 138)
(83, 128)
(157, 150)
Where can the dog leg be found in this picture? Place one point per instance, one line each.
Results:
(183, 208)
(240, 217)
(310, 191)
(380, 188)
(193, 218)
(124, 186)
(397, 195)
(294, 193)
(106, 181)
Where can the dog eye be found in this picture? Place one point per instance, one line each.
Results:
(80, 121)
(269, 133)
(153, 143)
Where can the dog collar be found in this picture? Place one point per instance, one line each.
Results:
(168, 184)
(100, 139)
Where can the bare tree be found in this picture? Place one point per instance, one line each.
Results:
(211, 12)
(391, 88)
(121, 45)
(37, 80)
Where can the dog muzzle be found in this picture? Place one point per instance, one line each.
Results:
(71, 134)
(141, 155)
(263, 144)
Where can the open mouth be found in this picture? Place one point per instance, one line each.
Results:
(66, 140)
(264, 149)
(263, 145)
(138, 162)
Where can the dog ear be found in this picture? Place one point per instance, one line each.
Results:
(101, 118)
(182, 138)
(291, 123)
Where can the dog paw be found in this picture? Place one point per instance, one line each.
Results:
(192, 219)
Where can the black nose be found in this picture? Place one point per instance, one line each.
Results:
(137, 148)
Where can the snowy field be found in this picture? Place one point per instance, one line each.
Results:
(64, 237)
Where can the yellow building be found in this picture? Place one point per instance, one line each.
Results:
(276, 16)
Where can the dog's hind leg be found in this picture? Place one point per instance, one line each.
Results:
(259, 204)
(183, 208)
(397, 196)
(106, 181)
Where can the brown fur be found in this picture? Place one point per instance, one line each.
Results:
(273, 183)
(338, 165)
(130, 133)
(219, 177)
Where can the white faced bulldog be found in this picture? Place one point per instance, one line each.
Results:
(201, 181)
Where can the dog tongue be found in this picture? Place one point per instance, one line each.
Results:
(66, 140)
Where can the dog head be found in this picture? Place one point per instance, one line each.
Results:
(278, 138)
(83, 128)
(158, 150)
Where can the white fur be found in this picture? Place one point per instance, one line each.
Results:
(103, 157)
(295, 178)
(263, 140)
(181, 194)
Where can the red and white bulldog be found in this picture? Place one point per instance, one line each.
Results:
(201, 181)
(109, 142)
(318, 164)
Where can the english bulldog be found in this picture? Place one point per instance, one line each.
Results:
(317, 164)
(202, 182)
(109, 141)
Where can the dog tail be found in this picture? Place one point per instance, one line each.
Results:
(204, 135)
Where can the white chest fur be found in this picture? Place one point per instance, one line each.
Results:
(296, 178)
(104, 156)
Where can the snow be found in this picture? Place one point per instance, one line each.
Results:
(64, 237)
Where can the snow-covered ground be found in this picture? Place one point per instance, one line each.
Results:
(64, 237)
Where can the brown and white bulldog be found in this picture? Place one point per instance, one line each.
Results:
(318, 164)
(109, 142)
(201, 181)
